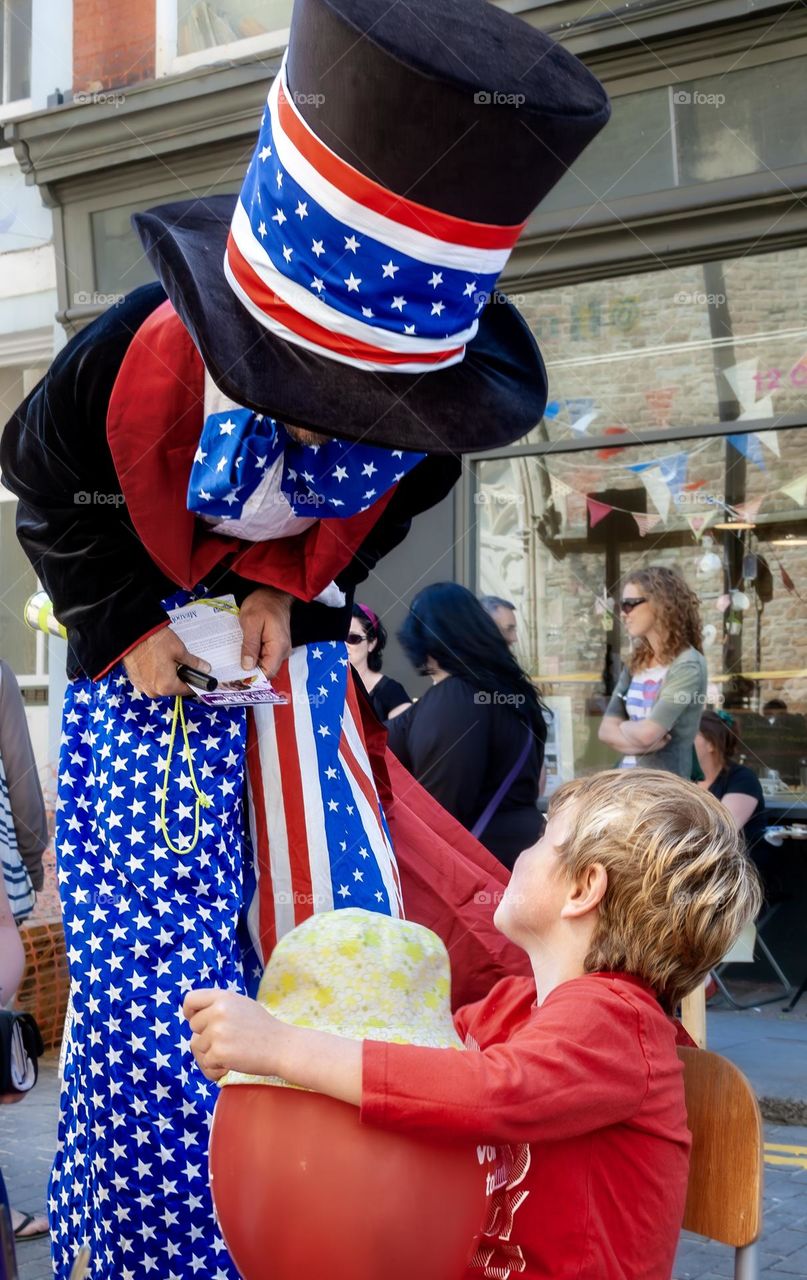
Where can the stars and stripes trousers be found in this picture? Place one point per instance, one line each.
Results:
(294, 826)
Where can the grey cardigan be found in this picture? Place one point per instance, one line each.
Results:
(677, 709)
(24, 790)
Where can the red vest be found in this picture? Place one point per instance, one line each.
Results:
(154, 422)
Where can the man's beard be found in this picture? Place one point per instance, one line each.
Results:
(303, 436)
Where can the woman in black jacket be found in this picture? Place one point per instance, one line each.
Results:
(475, 740)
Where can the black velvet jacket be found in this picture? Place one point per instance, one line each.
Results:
(104, 586)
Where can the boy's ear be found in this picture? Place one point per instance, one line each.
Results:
(586, 892)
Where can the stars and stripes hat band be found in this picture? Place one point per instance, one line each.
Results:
(329, 260)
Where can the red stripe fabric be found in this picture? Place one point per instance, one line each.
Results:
(418, 217)
(267, 927)
(268, 301)
(293, 800)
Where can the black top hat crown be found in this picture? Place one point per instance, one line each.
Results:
(351, 286)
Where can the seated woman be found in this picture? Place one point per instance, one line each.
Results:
(475, 740)
(739, 789)
(365, 644)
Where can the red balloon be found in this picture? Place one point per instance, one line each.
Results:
(303, 1191)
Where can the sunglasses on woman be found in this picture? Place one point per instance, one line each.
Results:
(354, 637)
(631, 603)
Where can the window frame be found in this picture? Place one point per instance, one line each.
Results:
(14, 106)
(169, 62)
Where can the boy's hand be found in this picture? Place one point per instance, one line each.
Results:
(230, 1033)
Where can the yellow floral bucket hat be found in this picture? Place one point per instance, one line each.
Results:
(361, 975)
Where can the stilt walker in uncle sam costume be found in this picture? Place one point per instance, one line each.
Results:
(317, 356)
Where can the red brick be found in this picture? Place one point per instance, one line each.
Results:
(113, 43)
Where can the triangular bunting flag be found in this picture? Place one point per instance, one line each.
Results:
(645, 523)
(658, 489)
(560, 489)
(748, 510)
(597, 511)
(748, 445)
(699, 523)
(770, 439)
(797, 489)
(744, 383)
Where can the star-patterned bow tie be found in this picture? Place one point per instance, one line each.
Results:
(239, 449)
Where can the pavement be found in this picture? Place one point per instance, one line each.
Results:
(767, 1044)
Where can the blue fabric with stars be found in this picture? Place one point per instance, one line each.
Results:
(353, 273)
(143, 926)
(335, 479)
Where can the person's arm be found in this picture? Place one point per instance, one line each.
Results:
(24, 789)
(71, 519)
(577, 1065)
(740, 806)
(12, 953)
(638, 737)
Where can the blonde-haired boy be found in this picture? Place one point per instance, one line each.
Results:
(637, 888)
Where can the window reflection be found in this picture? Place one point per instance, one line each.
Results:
(560, 534)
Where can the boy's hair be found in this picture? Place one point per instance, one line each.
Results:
(680, 886)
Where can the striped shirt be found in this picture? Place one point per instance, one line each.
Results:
(640, 699)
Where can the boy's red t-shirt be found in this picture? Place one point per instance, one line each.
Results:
(584, 1099)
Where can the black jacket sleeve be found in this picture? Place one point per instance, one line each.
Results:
(71, 519)
(74, 526)
(24, 790)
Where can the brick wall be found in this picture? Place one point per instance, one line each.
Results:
(113, 43)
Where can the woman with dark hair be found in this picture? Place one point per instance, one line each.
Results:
(737, 787)
(475, 740)
(365, 644)
(654, 711)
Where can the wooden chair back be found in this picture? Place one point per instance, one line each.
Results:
(724, 1196)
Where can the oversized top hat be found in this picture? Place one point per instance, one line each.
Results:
(350, 288)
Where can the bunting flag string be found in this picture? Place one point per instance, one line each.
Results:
(646, 523)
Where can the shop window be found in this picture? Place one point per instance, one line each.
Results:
(195, 32)
(559, 533)
(724, 126)
(15, 51)
(120, 260)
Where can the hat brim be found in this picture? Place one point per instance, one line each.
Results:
(494, 396)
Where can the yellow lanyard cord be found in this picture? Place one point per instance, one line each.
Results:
(202, 801)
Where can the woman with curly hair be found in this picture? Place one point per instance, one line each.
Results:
(656, 706)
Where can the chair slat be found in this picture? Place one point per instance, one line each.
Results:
(724, 1196)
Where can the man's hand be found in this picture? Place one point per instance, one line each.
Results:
(230, 1033)
(152, 665)
(265, 619)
